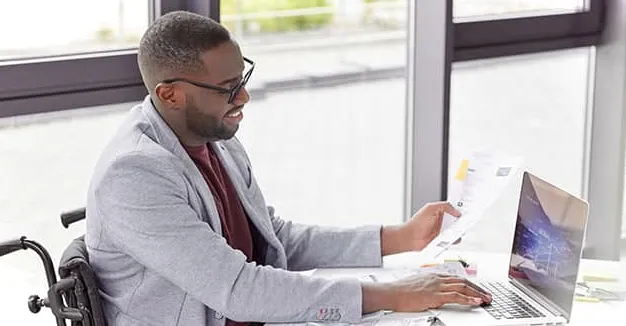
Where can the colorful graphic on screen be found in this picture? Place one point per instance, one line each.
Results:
(548, 240)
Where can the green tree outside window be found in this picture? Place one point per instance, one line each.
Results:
(278, 24)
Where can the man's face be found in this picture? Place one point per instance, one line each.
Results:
(208, 114)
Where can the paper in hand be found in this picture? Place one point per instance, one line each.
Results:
(477, 185)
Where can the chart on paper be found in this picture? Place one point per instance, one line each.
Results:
(477, 185)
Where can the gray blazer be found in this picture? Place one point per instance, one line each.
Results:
(155, 242)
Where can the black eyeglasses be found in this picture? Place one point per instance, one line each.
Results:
(232, 92)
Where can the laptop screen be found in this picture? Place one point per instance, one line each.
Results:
(548, 241)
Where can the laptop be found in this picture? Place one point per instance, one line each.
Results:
(543, 265)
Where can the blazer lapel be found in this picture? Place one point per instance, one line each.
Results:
(166, 137)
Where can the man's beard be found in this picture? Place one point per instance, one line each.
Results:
(207, 126)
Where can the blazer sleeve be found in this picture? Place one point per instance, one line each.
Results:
(309, 247)
(143, 204)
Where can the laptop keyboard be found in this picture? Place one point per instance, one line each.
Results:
(506, 304)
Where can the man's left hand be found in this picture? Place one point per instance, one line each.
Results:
(416, 233)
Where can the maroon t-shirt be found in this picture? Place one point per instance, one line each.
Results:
(239, 232)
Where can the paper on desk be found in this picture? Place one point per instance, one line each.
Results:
(391, 275)
(477, 185)
(406, 319)
(454, 268)
(383, 318)
(448, 268)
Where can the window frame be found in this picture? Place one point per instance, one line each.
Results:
(58, 83)
(513, 36)
(69, 81)
(606, 150)
(474, 40)
(602, 27)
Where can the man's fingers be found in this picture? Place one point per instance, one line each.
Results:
(478, 288)
(467, 290)
(450, 279)
(446, 207)
(455, 297)
(446, 280)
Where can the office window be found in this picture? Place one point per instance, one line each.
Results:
(533, 106)
(331, 156)
(486, 9)
(40, 28)
(267, 22)
(325, 126)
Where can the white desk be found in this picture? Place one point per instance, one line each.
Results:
(496, 266)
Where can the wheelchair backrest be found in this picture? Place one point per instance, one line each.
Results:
(84, 295)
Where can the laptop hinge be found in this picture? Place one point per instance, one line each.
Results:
(540, 298)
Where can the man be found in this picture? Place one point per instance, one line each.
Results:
(178, 231)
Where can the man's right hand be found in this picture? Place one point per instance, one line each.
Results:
(422, 292)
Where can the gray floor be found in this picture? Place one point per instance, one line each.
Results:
(329, 156)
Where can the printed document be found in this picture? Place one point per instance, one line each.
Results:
(477, 185)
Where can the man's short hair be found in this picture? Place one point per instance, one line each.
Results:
(174, 43)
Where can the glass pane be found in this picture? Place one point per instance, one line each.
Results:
(45, 169)
(325, 126)
(69, 26)
(294, 23)
(532, 106)
(331, 156)
(476, 8)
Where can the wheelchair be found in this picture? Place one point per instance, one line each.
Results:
(74, 297)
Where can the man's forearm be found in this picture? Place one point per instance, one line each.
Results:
(377, 297)
(392, 240)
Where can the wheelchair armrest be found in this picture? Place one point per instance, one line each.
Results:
(55, 300)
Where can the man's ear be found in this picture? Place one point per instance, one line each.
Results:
(170, 96)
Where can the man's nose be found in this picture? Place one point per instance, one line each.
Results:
(242, 97)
